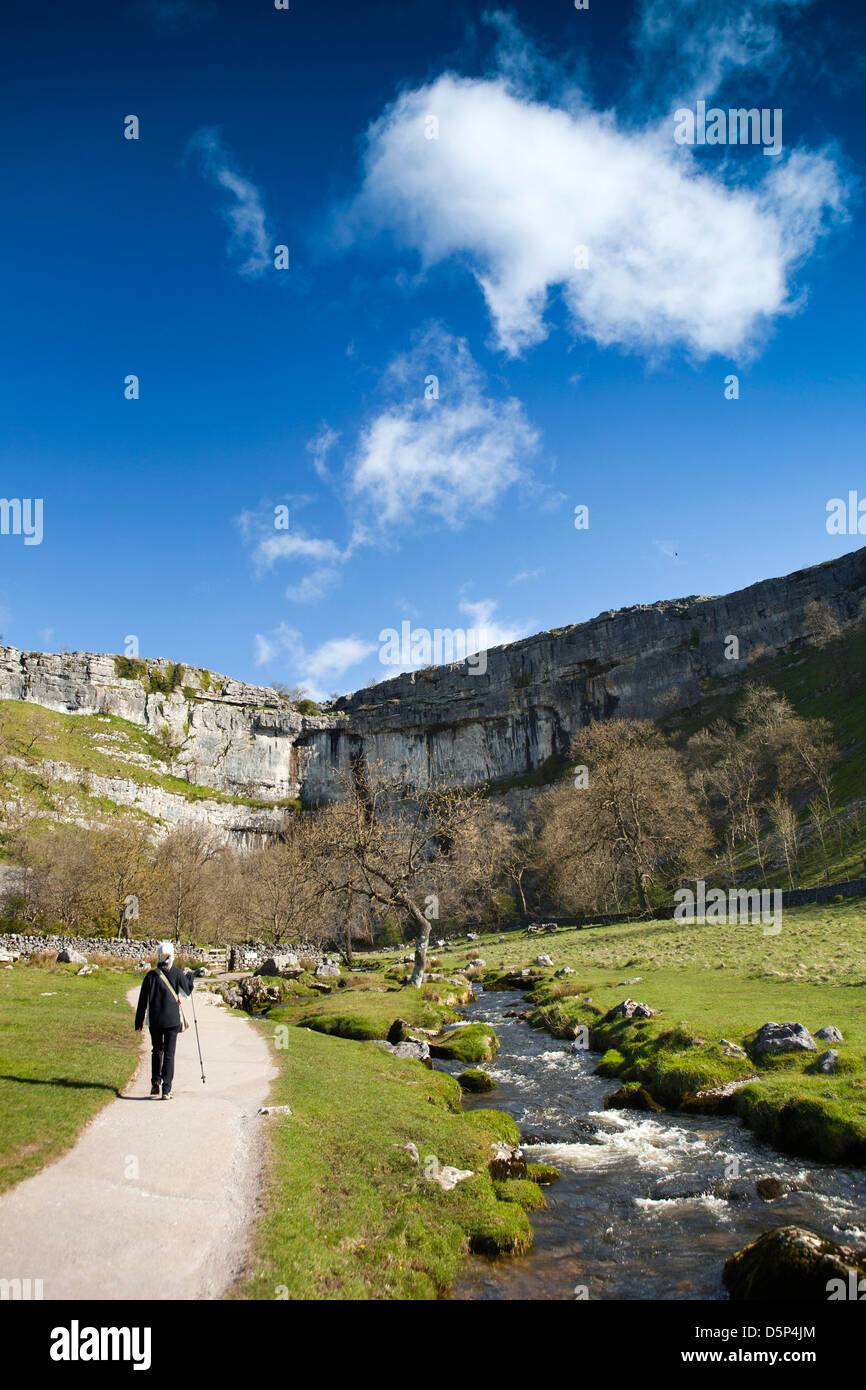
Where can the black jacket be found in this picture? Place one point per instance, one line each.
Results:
(156, 1000)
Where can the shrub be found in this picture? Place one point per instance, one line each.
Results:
(130, 668)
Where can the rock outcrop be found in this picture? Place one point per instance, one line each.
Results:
(245, 741)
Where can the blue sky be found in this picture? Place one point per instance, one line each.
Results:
(559, 384)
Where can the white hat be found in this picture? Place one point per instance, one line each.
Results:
(165, 950)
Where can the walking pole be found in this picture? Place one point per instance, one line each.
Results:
(198, 1042)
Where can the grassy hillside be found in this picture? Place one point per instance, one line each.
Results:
(91, 743)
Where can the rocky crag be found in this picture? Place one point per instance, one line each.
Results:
(244, 741)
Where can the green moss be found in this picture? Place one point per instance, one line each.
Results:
(543, 1172)
(341, 1026)
(476, 1080)
(501, 1229)
(496, 1124)
(526, 1193)
(475, 1043)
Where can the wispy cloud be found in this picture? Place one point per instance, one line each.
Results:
(315, 669)
(320, 447)
(249, 246)
(689, 47)
(443, 448)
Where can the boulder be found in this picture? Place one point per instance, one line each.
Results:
(70, 957)
(769, 1189)
(412, 1050)
(397, 1031)
(543, 960)
(411, 1149)
(476, 1081)
(629, 1008)
(829, 1034)
(507, 1162)
(448, 1177)
(274, 1110)
(827, 1062)
(715, 1100)
(773, 1038)
(631, 1097)
(256, 995)
(285, 964)
(328, 969)
(565, 970)
(792, 1263)
(732, 1049)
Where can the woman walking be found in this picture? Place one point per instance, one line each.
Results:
(159, 1001)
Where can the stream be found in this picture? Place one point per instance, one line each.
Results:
(649, 1206)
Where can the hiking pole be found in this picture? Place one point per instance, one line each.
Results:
(197, 1039)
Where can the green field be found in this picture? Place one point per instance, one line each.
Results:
(67, 1047)
(347, 1213)
(711, 982)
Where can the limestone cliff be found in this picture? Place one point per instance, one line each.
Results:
(244, 741)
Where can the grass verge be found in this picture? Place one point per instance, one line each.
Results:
(67, 1048)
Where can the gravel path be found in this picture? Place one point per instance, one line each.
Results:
(157, 1198)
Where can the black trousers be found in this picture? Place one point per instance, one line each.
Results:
(164, 1042)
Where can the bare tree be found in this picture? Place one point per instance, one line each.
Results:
(633, 821)
(281, 885)
(412, 849)
(181, 865)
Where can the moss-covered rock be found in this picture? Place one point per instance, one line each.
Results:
(501, 1229)
(792, 1263)
(477, 1081)
(631, 1096)
(526, 1193)
(475, 1043)
(543, 1172)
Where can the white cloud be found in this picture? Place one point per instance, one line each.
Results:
(512, 186)
(318, 669)
(525, 576)
(491, 632)
(323, 555)
(320, 447)
(249, 240)
(450, 458)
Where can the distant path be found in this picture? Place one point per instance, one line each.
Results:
(89, 1227)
